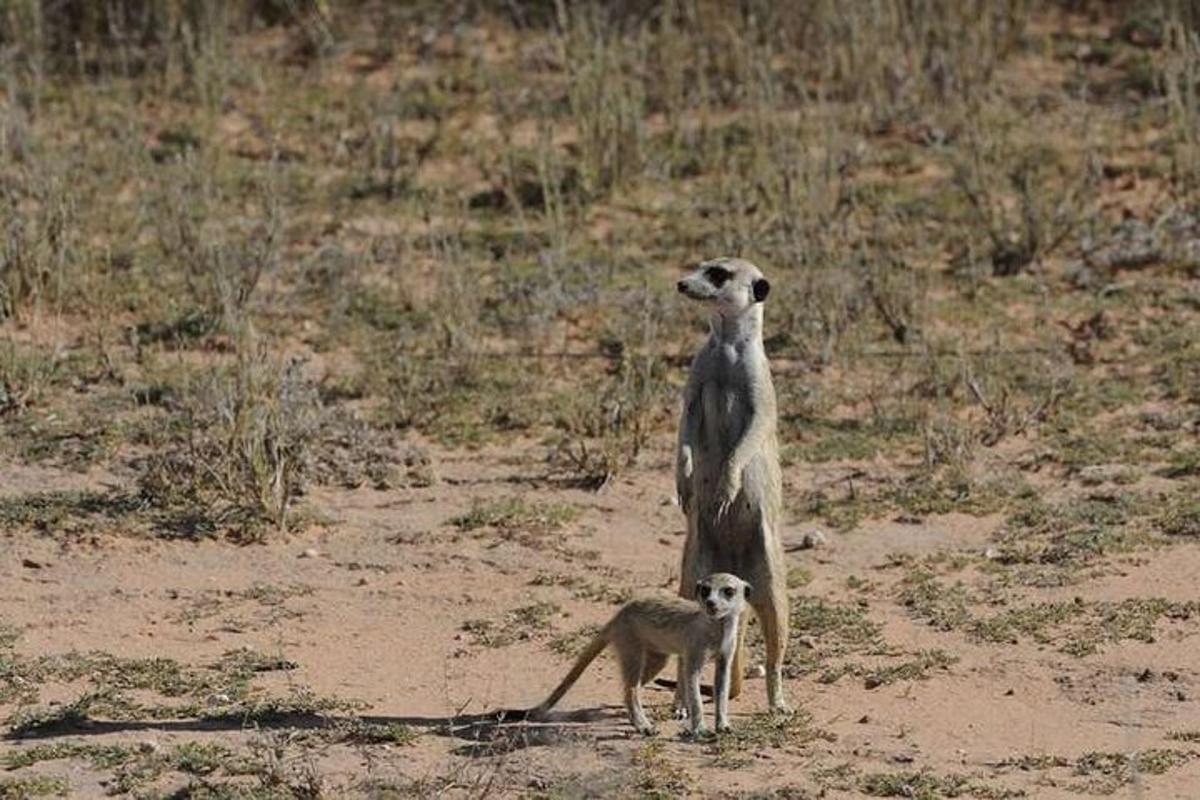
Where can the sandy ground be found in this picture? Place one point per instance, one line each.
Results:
(372, 607)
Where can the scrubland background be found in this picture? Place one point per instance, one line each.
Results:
(340, 360)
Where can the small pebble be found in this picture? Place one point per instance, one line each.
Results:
(310, 553)
(813, 539)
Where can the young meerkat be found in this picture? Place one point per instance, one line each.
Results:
(727, 466)
(647, 631)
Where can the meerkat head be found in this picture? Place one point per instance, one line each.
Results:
(722, 594)
(731, 284)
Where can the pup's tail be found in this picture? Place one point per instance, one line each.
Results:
(594, 648)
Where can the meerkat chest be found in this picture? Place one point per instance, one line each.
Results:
(724, 639)
(725, 412)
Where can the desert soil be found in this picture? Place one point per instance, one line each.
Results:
(378, 608)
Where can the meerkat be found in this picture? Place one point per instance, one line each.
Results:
(646, 631)
(727, 466)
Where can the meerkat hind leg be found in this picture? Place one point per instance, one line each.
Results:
(771, 608)
(652, 664)
(632, 664)
(739, 660)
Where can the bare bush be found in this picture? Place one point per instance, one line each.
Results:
(237, 448)
(40, 233)
(222, 258)
(605, 426)
(1024, 197)
(607, 96)
(1180, 79)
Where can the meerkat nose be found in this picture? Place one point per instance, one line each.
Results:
(681, 286)
(712, 604)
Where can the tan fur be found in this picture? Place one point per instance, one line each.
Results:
(727, 467)
(646, 631)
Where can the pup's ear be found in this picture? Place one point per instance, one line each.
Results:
(698, 593)
(746, 589)
(761, 288)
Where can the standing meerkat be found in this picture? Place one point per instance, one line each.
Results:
(727, 466)
(645, 632)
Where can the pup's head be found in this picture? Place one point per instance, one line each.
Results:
(722, 594)
(732, 284)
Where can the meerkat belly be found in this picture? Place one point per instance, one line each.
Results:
(725, 417)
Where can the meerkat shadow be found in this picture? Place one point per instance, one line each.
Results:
(706, 690)
(510, 730)
(496, 731)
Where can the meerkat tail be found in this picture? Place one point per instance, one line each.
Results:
(594, 648)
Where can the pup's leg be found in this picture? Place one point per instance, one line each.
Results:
(722, 687)
(652, 664)
(632, 663)
(692, 666)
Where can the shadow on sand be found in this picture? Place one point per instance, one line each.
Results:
(485, 734)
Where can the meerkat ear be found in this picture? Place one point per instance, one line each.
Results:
(761, 288)
(698, 592)
(746, 589)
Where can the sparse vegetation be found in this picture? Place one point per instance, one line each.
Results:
(787, 733)
(1077, 627)
(517, 625)
(929, 786)
(237, 451)
(1181, 517)
(531, 524)
(42, 786)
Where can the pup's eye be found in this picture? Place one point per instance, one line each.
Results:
(727, 591)
(717, 276)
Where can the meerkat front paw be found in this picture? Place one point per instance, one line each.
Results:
(727, 491)
(686, 464)
(647, 730)
(724, 727)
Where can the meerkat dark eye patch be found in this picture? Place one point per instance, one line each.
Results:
(728, 592)
(717, 276)
(761, 289)
(701, 590)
